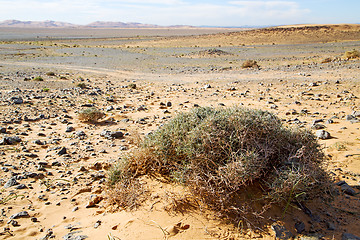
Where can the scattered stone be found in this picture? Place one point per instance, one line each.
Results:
(11, 182)
(97, 224)
(70, 129)
(111, 135)
(71, 236)
(16, 100)
(10, 140)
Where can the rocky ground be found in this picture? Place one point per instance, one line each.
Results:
(54, 167)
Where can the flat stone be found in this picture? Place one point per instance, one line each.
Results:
(23, 214)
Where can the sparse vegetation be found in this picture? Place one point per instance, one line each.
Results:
(90, 114)
(45, 89)
(340, 146)
(352, 54)
(229, 158)
(39, 79)
(81, 85)
(51, 74)
(326, 60)
(250, 64)
(132, 85)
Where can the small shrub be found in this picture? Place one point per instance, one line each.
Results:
(46, 89)
(40, 79)
(327, 60)
(352, 54)
(90, 115)
(81, 85)
(51, 74)
(250, 64)
(230, 158)
(132, 85)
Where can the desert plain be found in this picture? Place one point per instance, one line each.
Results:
(54, 167)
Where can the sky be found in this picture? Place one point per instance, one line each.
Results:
(185, 12)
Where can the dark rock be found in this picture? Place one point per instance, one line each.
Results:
(281, 232)
(331, 226)
(300, 227)
(110, 134)
(62, 151)
(80, 134)
(13, 223)
(16, 100)
(39, 142)
(10, 140)
(2, 130)
(322, 134)
(69, 129)
(23, 214)
(347, 189)
(356, 113)
(21, 186)
(317, 126)
(349, 236)
(350, 117)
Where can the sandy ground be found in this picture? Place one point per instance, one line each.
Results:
(65, 194)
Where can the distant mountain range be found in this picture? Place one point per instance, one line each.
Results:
(98, 24)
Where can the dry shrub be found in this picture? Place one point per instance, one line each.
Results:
(81, 85)
(90, 114)
(352, 54)
(230, 159)
(250, 64)
(326, 60)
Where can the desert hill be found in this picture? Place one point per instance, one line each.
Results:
(36, 24)
(97, 24)
(294, 34)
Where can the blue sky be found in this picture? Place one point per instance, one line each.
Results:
(185, 12)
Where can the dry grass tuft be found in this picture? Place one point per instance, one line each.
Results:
(231, 159)
(90, 114)
(250, 64)
(327, 60)
(351, 54)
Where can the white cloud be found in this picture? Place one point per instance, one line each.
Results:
(162, 12)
